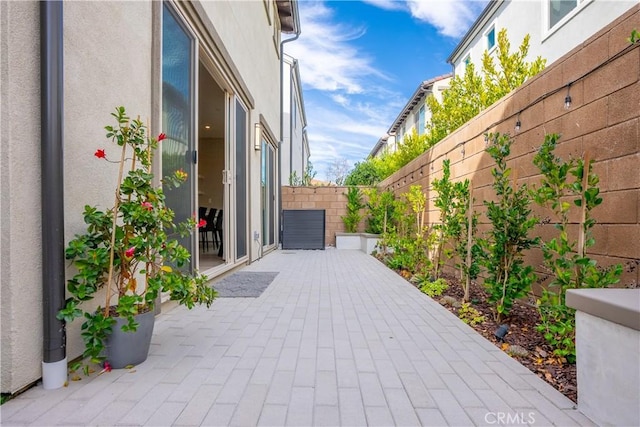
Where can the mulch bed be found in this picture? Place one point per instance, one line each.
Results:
(522, 322)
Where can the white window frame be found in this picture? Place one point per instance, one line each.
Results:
(546, 10)
(422, 124)
(491, 28)
(466, 60)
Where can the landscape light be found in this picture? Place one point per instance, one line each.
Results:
(502, 332)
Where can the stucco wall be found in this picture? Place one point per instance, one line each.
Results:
(20, 248)
(107, 48)
(332, 199)
(109, 58)
(107, 62)
(529, 17)
(603, 120)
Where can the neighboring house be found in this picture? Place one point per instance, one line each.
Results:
(205, 73)
(294, 150)
(554, 26)
(414, 116)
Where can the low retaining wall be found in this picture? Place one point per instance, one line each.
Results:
(366, 242)
(607, 348)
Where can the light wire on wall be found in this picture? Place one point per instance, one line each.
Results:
(518, 124)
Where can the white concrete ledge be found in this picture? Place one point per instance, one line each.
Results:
(608, 354)
(366, 242)
(621, 306)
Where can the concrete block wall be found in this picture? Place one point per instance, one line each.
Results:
(332, 199)
(603, 120)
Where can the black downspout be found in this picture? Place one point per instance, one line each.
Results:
(52, 198)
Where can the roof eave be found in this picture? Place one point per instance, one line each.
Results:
(288, 14)
(488, 11)
(415, 98)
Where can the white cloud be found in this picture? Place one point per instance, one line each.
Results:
(387, 4)
(347, 106)
(340, 99)
(327, 59)
(451, 17)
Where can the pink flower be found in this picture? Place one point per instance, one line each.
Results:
(106, 367)
(100, 154)
(161, 137)
(148, 206)
(202, 223)
(130, 252)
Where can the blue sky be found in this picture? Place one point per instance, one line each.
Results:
(360, 61)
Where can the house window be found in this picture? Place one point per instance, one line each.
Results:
(421, 123)
(558, 9)
(467, 60)
(491, 38)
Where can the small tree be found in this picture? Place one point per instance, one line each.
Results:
(565, 258)
(380, 206)
(471, 92)
(449, 226)
(304, 180)
(337, 171)
(511, 222)
(453, 200)
(363, 173)
(354, 206)
(418, 203)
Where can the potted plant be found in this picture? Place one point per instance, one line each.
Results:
(129, 253)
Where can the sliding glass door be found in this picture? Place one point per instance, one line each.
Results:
(178, 153)
(241, 180)
(268, 194)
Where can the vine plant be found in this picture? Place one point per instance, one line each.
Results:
(511, 221)
(565, 257)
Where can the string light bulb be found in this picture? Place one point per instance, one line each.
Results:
(567, 102)
(518, 124)
(567, 99)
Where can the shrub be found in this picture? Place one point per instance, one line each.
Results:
(433, 288)
(511, 222)
(354, 206)
(470, 315)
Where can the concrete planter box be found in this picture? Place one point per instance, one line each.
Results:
(607, 349)
(365, 242)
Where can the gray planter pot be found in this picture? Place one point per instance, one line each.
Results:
(130, 348)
